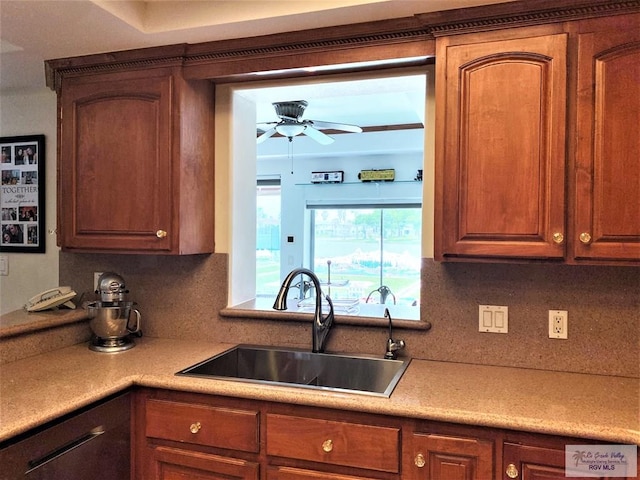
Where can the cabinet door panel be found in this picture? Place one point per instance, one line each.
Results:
(174, 464)
(608, 148)
(534, 463)
(438, 457)
(115, 173)
(502, 167)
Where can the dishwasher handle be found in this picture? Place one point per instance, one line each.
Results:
(56, 453)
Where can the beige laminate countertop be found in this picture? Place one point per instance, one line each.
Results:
(41, 388)
(20, 322)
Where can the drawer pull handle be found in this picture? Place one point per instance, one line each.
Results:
(195, 427)
(512, 471)
(585, 238)
(558, 238)
(419, 460)
(161, 234)
(327, 445)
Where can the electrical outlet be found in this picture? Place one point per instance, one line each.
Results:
(96, 277)
(558, 324)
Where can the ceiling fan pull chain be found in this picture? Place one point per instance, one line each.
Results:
(290, 148)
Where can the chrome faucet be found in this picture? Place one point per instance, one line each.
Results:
(321, 326)
(393, 346)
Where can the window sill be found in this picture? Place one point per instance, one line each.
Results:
(370, 315)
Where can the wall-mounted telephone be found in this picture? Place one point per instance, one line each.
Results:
(50, 299)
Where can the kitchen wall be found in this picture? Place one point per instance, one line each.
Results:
(180, 297)
(31, 113)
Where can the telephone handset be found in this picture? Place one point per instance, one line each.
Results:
(51, 298)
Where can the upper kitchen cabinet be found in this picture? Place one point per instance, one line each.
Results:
(537, 146)
(607, 173)
(500, 147)
(135, 163)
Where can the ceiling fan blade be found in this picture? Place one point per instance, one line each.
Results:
(318, 136)
(267, 134)
(336, 126)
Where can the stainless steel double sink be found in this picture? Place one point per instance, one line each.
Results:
(300, 368)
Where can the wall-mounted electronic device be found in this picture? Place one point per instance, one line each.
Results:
(327, 177)
(382, 175)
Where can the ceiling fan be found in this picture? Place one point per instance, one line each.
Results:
(292, 124)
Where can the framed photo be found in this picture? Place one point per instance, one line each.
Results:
(22, 194)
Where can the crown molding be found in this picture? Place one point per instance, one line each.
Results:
(310, 46)
(520, 14)
(328, 39)
(291, 49)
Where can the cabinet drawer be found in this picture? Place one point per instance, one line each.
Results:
(171, 463)
(338, 443)
(203, 425)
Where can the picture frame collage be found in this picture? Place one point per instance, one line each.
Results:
(22, 194)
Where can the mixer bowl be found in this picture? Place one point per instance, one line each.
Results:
(112, 319)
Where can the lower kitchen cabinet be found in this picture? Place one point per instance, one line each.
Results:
(444, 457)
(177, 438)
(538, 460)
(528, 462)
(179, 435)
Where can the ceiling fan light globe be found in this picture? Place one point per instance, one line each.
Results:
(290, 130)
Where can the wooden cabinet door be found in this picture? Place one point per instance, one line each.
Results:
(174, 464)
(500, 171)
(527, 462)
(439, 457)
(115, 172)
(607, 175)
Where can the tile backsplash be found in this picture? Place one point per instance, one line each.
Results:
(180, 297)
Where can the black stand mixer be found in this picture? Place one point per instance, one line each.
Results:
(111, 316)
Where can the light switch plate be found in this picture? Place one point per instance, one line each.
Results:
(4, 265)
(493, 318)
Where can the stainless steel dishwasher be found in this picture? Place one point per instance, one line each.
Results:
(93, 444)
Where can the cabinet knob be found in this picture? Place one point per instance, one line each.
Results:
(327, 445)
(195, 427)
(512, 471)
(558, 238)
(161, 234)
(585, 238)
(419, 460)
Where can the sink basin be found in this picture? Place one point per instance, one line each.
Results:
(300, 368)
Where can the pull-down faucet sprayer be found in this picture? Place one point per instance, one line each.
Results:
(321, 326)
